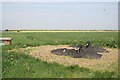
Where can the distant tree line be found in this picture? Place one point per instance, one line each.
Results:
(12, 30)
(59, 30)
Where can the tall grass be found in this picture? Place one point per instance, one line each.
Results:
(20, 65)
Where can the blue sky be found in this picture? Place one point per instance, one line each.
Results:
(60, 15)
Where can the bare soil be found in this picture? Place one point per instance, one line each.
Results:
(109, 61)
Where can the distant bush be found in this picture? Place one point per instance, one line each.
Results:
(6, 29)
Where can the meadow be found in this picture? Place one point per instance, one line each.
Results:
(18, 64)
(104, 39)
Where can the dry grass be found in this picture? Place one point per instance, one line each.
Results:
(109, 61)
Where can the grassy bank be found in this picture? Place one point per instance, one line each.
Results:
(20, 65)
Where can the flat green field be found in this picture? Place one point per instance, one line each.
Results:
(16, 62)
(106, 39)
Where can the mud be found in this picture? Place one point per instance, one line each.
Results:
(81, 52)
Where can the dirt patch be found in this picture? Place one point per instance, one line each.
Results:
(105, 63)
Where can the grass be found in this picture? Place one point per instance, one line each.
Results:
(21, 65)
(104, 39)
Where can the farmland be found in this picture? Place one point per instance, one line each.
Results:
(17, 60)
(106, 39)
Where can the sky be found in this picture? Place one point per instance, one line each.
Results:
(60, 15)
(60, 0)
